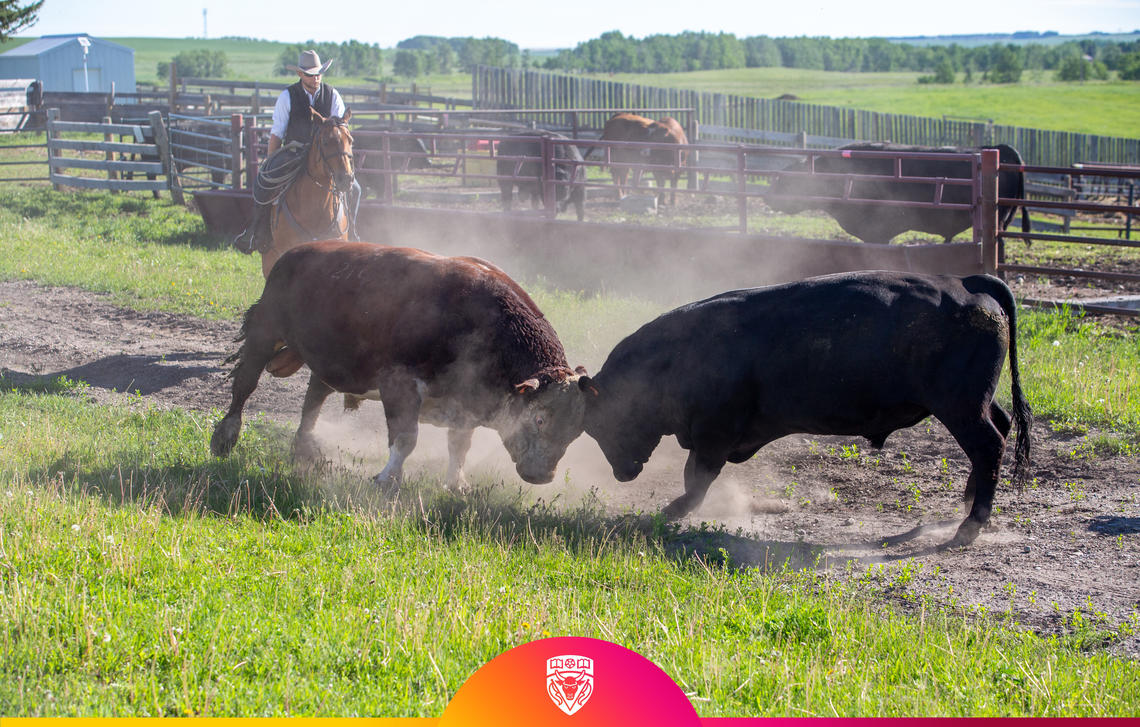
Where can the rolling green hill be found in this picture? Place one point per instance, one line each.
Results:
(1110, 108)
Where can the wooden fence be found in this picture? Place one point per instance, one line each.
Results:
(516, 88)
(68, 158)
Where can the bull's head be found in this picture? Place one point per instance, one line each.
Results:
(540, 422)
(625, 432)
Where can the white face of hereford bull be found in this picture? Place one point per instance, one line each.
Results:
(539, 424)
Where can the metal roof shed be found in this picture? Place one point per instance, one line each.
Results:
(72, 62)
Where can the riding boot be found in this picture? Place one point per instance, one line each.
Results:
(252, 236)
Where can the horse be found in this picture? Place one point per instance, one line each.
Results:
(312, 208)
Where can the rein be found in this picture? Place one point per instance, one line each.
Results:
(329, 184)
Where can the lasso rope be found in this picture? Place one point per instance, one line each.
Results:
(272, 183)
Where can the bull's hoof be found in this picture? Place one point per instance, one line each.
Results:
(306, 449)
(225, 437)
(387, 485)
(677, 509)
(458, 484)
(967, 533)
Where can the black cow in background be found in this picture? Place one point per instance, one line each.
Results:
(409, 153)
(860, 354)
(568, 171)
(872, 222)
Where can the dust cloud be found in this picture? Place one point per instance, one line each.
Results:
(662, 266)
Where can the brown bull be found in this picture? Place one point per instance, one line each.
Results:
(451, 341)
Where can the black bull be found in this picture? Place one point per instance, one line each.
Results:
(859, 354)
(407, 153)
(871, 222)
(569, 174)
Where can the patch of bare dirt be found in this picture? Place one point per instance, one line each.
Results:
(1068, 540)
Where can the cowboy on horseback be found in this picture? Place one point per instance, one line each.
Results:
(289, 140)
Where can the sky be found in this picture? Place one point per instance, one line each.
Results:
(539, 25)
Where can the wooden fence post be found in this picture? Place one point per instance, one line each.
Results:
(694, 132)
(52, 134)
(986, 214)
(549, 194)
(235, 151)
(173, 86)
(110, 155)
(250, 136)
(162, 141)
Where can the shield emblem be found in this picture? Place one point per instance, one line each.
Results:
(569, 681)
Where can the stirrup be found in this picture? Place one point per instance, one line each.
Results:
(244, 241)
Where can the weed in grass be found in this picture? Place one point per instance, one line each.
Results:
(1076, 491)
(906, 465)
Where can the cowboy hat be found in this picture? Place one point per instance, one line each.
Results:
(310, 62)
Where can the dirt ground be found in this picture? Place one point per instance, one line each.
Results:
(1068, 540)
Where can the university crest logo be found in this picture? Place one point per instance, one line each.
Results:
(569, 681)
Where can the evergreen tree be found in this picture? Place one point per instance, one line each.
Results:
(14, 17)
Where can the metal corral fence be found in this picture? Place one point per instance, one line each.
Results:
(1116, 206)
(509, 87)
(226, 152)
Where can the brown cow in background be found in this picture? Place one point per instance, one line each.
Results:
(631, 127)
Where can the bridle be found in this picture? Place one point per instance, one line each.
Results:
(331, 186)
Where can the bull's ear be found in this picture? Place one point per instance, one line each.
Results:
(527, 386)
(347, 114)
(580, 370)
(586, 384)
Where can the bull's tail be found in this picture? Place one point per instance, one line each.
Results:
(1022, 413)
(245, 325)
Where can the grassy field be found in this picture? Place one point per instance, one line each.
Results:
(143, 578)
(1108, 108)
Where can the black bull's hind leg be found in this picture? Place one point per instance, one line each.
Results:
(983, 441)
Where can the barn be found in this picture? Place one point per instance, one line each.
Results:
(72, 62)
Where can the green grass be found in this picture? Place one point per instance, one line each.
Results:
(148, 254)
(247, 59)
(1080, 372)
(142, 578)
(1107, 108)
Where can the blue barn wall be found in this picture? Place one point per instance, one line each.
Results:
(57, 61)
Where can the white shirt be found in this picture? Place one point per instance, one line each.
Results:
(284, 105)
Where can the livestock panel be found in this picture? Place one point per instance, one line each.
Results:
(613, 257)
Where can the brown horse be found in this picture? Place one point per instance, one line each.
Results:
(313, 208)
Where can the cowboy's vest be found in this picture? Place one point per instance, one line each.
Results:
(300, 120)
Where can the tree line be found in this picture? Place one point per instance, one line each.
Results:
(424, 54)
(614, 52)
(351, 58)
